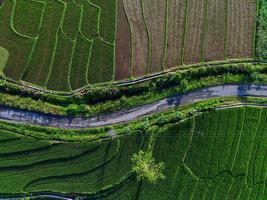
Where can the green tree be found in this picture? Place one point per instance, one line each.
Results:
(146, 168)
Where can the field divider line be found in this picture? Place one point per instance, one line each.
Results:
(79, 173)
(71, 61)
(166, 34)
(75, 45)
(183, 186)
(231, 184)
(174, 177)
(185, 31)
(194, 190)
(218, 186)
(35, 42)
(214, 142)
(55, 45)
(115, 37)
(148, 36)
(225, 135)
(88, 62)
(191, 139)
(253, 144)
(12, 23)
(226, 31)
(238, 142)
(206, 190)
(131, 37)
(98, 16)
(194, 176)
(256, 28)
(88, 40)
(204, 34)
(76, 3)
(265, 175)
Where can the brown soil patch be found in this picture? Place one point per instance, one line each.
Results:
(176, 23)
(195, 31)
(214, 48)
(155, 12)
(123, 45)
(240, 36)
(139, 37)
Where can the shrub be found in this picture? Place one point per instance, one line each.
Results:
(146, 168)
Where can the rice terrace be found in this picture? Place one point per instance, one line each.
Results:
(133, 99)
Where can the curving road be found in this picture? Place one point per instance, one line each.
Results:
(23, 116)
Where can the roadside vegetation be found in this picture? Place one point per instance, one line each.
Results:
(95, 101)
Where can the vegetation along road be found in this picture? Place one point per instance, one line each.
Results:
(42, 119)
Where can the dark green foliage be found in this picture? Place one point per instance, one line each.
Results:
(262, 31)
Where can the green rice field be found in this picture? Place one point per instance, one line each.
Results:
(220, 154)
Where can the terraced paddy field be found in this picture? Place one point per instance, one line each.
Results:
(219, 154)
(64, 45)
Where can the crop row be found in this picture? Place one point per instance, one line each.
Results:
(171, 33)
(216, 155)
(30, 165)
(63, 46)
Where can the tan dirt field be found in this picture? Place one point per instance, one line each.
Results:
(123, 45)
(155, 12)
(215, 34)
(139, 37)
(240, 37)
(176, 24)
(195, 29)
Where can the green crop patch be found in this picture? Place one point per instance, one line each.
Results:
(216, 155)
(3, 58)
(43, 39)
(219, 154)
(44, 165)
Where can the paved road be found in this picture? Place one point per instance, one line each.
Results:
(23, 116)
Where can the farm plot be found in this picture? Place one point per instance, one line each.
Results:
(69, 44)
(123, 45)
(175, 32)
(216, 28)
(171, 33)
(241, 23)
(30, 165)
(217, 155)
(54, 48)
(139, 37)
(194, 31)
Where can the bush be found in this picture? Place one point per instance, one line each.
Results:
(146, 168)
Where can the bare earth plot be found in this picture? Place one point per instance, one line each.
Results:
(182, 32)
